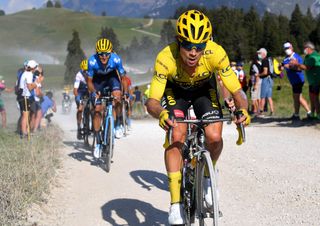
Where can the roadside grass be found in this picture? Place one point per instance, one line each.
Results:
(26, 170)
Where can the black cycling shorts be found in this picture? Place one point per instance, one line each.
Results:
(205, 101)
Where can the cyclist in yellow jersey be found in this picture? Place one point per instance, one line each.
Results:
(184, 75)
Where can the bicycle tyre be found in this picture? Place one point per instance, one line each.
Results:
(188, 197)
(108, 146)
(86, 125)
(212, 214)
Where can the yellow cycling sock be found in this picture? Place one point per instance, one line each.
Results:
(206, 171)
(174, 179)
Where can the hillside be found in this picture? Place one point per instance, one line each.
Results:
(43, 34)
(49, 30)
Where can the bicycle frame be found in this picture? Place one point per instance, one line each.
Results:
(108, 115)
(107, 131)
(195, 159)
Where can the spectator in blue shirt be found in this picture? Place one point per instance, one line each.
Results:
(46, 104)
(296, 78)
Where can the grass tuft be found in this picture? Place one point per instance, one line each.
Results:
(26, 170)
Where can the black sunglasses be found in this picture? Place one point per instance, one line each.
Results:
(103, 54)
(189, 46)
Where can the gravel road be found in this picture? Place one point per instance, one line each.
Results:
(272, 179)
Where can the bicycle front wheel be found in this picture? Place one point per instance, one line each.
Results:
(108, 145)
(208, 214)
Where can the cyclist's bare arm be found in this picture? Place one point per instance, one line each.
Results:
(125, 84)
(154, 107)
(90, 85)
(75, 91)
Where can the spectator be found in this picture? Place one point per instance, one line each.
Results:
(138, 101)
(255, 84)
(233, 65)
(311, 66)
(18, 93)
(36, 105)
(266, 81)
(46, 104)
(25, 99)
(2, 108)
(241, 76)
(296, 78)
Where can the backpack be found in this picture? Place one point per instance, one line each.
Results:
(274, 67)
(17, 89)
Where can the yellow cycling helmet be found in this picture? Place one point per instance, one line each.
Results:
(103, 45)
(193, 26)
(84, 65)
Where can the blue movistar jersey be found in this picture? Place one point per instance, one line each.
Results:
(99, 72)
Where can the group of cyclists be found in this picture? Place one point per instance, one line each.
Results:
(100, 74)
(187, 73)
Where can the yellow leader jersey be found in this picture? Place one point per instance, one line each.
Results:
(168, 67)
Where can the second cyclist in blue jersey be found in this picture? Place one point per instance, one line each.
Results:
(105, 70)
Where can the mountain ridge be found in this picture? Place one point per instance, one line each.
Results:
(166, 8)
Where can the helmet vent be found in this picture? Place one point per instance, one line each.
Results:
(206, 35)
(201, 17)
(184, 21)
(193, 30)
(193, 16)
(185, 31)
(200, 32)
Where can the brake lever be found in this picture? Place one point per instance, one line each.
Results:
(240, 128)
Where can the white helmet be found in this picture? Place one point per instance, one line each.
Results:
(32, 64)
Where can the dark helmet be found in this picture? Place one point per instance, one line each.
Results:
(49, 94)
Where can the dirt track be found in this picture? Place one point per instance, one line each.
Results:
(273, 179)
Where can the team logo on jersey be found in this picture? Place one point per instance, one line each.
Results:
(208, 52)
(226, 71)
(116, 60)
(204, 74)
(159, 77)
(92, 62)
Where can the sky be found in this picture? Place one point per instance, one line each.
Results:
(12, 6)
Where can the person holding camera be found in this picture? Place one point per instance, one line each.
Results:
(296, 78)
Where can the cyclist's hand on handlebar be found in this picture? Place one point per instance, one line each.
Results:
(243, 118)
(164, 120)
(97, 94)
